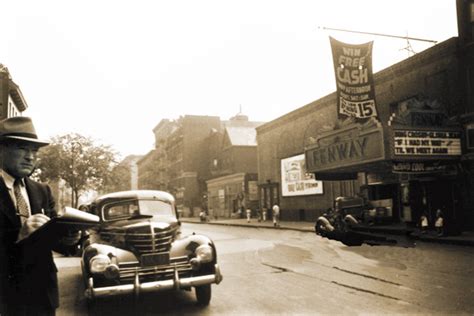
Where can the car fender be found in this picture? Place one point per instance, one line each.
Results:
(188, 245)
(95, 249)
(326, 224)
(351, 220)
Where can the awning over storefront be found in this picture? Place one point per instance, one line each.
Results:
(335, 176)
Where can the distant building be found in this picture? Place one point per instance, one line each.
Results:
(186, 164)
(232, 182)
(129, 164)
(12, 102)
(193, 149)
(147, 168)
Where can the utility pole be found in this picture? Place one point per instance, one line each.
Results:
(407, 38)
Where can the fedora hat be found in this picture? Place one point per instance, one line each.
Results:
(19, 128)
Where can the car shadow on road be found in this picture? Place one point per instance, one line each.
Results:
(353, 238)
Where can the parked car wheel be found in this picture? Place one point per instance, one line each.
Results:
(203, 294)
(319, 228)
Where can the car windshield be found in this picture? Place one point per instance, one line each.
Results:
(136, 208)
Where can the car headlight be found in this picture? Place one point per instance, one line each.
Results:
(204, 253)
(99, 263)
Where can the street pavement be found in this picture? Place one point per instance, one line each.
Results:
(463, 239)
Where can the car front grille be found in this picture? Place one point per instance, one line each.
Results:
(128, 270)
(148, 239)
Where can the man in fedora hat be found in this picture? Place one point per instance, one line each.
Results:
(28, 275)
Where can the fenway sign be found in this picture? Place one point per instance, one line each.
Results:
(345, 148)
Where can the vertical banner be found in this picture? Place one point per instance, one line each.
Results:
(354, 79)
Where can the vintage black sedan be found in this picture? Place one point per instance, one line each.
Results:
(138, 248)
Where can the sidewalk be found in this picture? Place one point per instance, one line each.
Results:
(465, 239)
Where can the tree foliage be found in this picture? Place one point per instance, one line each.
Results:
(77, 160)
(119, 179)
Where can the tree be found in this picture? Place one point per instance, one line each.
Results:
(118, 179)
(78, 161)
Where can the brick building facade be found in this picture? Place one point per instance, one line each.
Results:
(428, 95)
(232, 182)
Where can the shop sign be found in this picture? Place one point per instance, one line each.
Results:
(418, 167)
(427, 143)
(253, 190)
(354, 79)
(221, 194)
(345, 149)
(295, 180)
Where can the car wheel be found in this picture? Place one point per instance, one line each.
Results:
(319, 228)
(203, 294)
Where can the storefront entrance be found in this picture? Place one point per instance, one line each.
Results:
(430, 194)
(268, 197)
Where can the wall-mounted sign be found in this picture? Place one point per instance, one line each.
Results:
(426, 143)
(418, 167)
(354, 79)
(221, 194)
(345, 148)
(253, 190)
(295, 180)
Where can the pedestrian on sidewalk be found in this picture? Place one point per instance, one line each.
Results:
(264, 214)
(248, 213)
(202, 216)
(276, 215)
(424, 223)
(439, 224)
(259, 216)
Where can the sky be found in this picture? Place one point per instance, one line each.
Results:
(111, 70)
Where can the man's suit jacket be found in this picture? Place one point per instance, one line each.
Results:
(28, 274)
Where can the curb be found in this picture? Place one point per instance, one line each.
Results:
(305, 230)
(446, 241)
(387, 231)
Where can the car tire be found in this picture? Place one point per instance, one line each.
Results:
(203, 294)
(319, 229)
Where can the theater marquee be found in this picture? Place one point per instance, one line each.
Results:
(427, 143)
(344, 148)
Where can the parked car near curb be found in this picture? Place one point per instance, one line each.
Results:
(336, 222)
(138, 248)
(349, 212)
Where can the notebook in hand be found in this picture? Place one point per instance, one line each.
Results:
(69, 219)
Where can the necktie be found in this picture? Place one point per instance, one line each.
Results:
(21, 205)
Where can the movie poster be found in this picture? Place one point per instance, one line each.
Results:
(295, 180)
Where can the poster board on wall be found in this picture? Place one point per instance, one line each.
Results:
(295, 180)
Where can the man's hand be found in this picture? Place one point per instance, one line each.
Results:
(31, 224)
